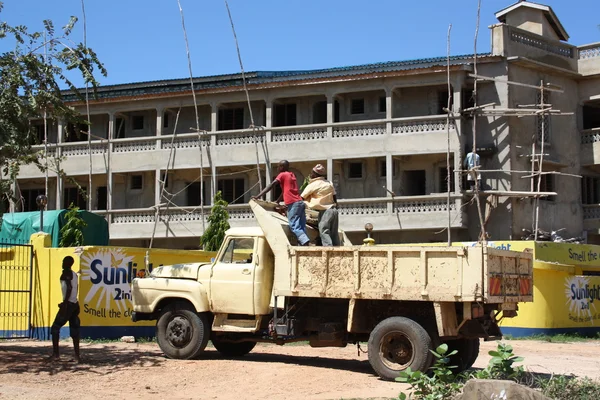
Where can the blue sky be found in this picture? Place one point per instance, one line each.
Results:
(141, 40)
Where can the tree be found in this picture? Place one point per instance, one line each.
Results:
(218, 223)
(31, 76)
(71, 233)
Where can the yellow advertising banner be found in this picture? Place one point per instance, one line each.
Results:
(582, 299)
(105, 280)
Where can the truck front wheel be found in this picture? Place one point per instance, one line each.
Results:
(468, 351)
(396, 344)
(229, 349)
(181, 332)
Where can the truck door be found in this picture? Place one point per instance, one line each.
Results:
(232, 278)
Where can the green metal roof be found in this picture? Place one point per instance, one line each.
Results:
(262, 77)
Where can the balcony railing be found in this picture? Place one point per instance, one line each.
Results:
(81, 148)
(590, 136)
(589, 51)
(591, 211)
(532, 40)
(370, 128)
(133, 145)
(347, 208)
(176, 214)
(420, 125)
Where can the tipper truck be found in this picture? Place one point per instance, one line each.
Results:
(402, 300)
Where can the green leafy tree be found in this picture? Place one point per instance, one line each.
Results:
(71, 234)
(31, 77)
(218, 223)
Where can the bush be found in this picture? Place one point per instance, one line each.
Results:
(71, 234)
(442, 383)
(563, 387)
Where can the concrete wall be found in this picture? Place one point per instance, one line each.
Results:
(531, 20)
(563, 149)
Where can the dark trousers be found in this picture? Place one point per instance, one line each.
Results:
(67, 312)
(328, 227)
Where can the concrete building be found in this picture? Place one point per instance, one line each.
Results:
(380, 129)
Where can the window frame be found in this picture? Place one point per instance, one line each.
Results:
(362, 170)
(382, 102)
(135, 118)
(363, 106)
(231, 242)
(130, 186)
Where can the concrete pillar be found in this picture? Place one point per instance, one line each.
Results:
(457, 175)
(213, 182)
(13, 188)
(109, 176)
(59, 192)
(389, 173)
(389, 178)
(330, 169)
(159, 126)
(59, 178)
(457, 83)
(268, 126)
(388, 109)
(157, 186)
(330, 101)
(214, 111)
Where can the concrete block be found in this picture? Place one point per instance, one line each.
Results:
(480, 389)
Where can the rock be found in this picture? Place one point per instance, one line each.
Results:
(488, 389)
(128, 339)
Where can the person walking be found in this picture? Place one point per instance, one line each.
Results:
(320, 196)
(68, 310)
(296, 209)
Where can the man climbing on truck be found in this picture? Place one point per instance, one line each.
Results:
(295, 206)
(320, 196)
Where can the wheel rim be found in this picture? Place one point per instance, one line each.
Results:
(179, 332)
(396, 350)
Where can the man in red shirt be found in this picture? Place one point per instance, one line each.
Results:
(296, 208)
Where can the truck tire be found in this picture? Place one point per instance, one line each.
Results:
(468, 351)
(233, 350)
(473, 352)
(396, 344)
(181, 332)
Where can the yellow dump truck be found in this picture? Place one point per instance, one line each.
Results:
(401, 300)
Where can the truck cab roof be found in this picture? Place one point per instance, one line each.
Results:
(245, 231)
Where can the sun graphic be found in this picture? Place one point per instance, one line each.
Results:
(103, 292)
(581, 307)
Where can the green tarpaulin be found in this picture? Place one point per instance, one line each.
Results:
(18, 227)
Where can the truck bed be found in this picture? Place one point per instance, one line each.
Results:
(425, 273)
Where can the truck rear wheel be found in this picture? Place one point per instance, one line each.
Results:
(396, 344)
(181, 332)
(468, 351)
(229, 349)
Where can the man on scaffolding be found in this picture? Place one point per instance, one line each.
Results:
(295, 205)
(472, 164)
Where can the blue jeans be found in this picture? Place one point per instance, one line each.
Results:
(297, 219)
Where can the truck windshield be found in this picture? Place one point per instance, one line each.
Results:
(239, 251)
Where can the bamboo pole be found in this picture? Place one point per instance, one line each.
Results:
(189, 60)
(448, 111)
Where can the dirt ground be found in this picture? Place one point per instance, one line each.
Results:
(136, 371)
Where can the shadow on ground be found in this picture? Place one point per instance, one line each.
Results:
(360, 366)
(105, 359)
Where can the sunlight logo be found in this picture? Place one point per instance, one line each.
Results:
(581, 296)
(110, 272)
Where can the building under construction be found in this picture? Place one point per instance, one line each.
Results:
(381, 130)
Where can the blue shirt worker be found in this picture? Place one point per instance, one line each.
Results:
(472, 160)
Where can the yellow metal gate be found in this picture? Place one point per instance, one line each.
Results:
(16, 275)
